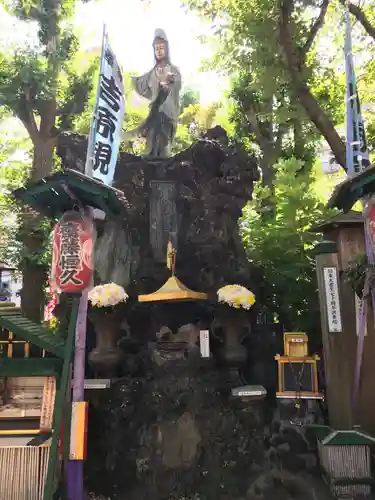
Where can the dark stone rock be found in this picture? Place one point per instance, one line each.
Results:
(290, 461)
(275, 426)
(173, 436)
(168, 430)
(295, 438)
(310, 460)
(276, 440)
(212, 182)
(310, 437)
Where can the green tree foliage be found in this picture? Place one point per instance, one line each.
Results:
(189, 97)
(195, 118)
(283, 79)
(14, 167)
(286, 60)
(282, 247)
(43, 86)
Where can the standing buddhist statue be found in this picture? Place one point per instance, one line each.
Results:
(162, 87)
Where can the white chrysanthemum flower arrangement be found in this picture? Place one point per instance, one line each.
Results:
(236, 296)
(107, 296)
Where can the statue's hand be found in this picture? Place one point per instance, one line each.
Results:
(171, 77)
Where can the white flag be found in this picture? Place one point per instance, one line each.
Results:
(106, 128)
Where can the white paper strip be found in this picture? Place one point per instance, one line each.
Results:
(204, 337)
(332, 299)
(358, 309)
(48, 404)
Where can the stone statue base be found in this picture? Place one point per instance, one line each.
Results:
(182, 435)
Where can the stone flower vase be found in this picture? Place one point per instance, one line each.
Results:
(232, 354)
(107, 355)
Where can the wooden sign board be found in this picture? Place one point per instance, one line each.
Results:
(204, 340)
(246, 391)
(48, 404)
(163, 217)
(331, 289)
(97, 383)
(295, 344)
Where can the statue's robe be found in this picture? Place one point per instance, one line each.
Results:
(160, 126)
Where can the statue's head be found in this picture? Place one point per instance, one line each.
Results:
(161, 48)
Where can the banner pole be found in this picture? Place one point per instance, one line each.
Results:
(75, 484)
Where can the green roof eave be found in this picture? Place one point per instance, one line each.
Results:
(348, 437)
(348, 192)
(62, 191)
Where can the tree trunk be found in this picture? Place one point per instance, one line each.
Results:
(318, 116)
(43, 157)
(267, 161)
(34, 278)
(312, 107)
(34, 274)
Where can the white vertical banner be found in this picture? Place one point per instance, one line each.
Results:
(332, 299)
(104, 141)
(357, 155)
(204, 340)
(48, 404)
(358, 309)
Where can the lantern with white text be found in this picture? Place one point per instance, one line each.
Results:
(72, 253)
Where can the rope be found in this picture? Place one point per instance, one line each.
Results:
(298, 382)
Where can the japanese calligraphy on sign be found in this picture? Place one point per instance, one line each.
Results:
(332, 299)
(357, 155)
(72, 255)
(358, 143)
(109, 115)
(48, 403)
(204, 340)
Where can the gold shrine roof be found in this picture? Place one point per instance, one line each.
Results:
(173, 291)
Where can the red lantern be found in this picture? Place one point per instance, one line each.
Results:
(72, 253)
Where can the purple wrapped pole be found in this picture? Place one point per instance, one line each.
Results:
(362, 323)
(75, 467)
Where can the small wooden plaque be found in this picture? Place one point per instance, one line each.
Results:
(48, 404)
(295, 344)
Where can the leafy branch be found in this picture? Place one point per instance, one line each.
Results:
(361, 17)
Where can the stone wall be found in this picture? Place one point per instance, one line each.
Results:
(176, 433)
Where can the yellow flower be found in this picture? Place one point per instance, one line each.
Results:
(107, 295)
(236, 296)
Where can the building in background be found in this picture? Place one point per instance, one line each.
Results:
(9, 287)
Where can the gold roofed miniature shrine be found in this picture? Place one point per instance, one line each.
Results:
(172, 290)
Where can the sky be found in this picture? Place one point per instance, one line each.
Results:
(131, 25)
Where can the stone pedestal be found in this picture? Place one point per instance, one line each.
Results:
(174, 433)
(232, 355)
(106, 357)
